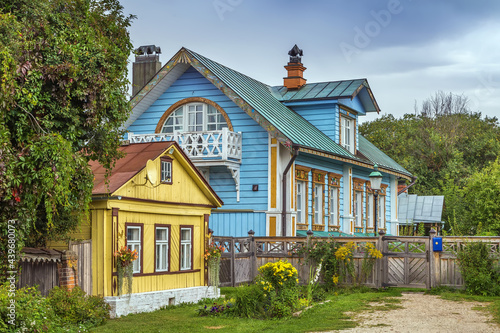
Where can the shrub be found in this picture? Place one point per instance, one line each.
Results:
(249, 301)
(479, 270)
(322, 251)
(33, 312)
(76, 307)
(279, 282)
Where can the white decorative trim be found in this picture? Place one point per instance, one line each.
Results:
(154, 300)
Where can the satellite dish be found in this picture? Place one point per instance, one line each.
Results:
(151, 173)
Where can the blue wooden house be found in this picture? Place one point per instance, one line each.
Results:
(284, 159)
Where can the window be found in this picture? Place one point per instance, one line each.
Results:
(358, 208)
(302, 190)
(318, 203)
(166, 170)
(347, 132)
(369, 210)
(301, 201)
(381, 212)
(134, 240)
(186, 248)
(194, 117)
(334, 208)
(162, 238)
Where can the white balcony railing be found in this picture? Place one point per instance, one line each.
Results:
(223, 145)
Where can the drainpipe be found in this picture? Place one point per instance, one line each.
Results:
(413, 181)
(283, 209)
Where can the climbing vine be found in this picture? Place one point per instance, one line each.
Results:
(63, 98)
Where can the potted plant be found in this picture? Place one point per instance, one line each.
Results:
(124, 267)
(212, 256)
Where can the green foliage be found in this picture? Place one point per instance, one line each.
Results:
(33, 312)
(322, 251)
(279, 282)
(481, 273)
(76, 307)
(481, 196)
(443, 145)
(63, 98)
(249, 302)
(217, 308)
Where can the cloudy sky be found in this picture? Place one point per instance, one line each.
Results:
(407, 49)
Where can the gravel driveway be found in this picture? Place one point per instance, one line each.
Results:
(427, 313)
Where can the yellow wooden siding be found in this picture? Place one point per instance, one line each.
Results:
(273, 176)
(272, 226)
(186, 187)
(102, 249)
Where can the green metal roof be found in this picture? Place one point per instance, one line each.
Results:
(334, 89)
(376, 156)
(303, 233)
(259, 96)
(264, 104)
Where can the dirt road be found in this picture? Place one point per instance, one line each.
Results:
(427, 313)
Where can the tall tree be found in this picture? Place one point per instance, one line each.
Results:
(63, 98)
(443, 144)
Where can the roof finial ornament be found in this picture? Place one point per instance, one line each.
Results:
(295, 54)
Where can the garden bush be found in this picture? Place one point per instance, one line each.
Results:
(249, 302)
(279, 281)
(479, 270)
(76, 307)
(33, 312)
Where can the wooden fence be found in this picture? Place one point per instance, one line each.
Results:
(407, 261)
(83, 250)
(41, 273)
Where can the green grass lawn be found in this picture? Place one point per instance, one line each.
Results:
(321, 317)
(327, 316)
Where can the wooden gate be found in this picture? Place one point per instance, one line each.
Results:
(83, 250)
(405, 262)
(237, 261)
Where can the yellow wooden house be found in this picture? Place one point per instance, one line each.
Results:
(154, 201)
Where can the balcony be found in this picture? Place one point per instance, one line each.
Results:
(205, 149)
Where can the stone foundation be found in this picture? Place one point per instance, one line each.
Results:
(154, 300)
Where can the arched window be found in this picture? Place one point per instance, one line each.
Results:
(194, 117)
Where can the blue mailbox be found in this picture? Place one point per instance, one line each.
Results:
(437, 244)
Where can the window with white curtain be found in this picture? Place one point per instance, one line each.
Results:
(194, 117)
(134, 243)
(161, 241)
(186, 248)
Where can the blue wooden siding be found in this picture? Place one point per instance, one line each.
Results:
(254, 146)
(253, 169)
(322, 116)
(237, 224)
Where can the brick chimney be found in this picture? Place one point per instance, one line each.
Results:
(147, 64)
(295, 69)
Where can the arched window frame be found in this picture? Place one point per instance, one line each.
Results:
(187, 101)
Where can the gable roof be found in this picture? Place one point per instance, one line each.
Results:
(134, 161)
(260, 101)
(331, 90)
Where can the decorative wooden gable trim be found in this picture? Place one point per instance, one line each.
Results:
(180, 103)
